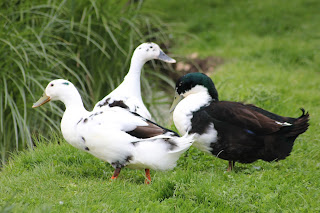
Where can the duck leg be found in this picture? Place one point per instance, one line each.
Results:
(148, 180)
(231, 165)
(116, 173)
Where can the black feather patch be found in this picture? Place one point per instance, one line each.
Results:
(151, 122)
(144, 132)
(122, 163)
(149, 131)
(119, 104)
(244, 116)
(172, 145)
(129, 158)
(106, 102)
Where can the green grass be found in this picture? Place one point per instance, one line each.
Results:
(42, 179)
(271, 54)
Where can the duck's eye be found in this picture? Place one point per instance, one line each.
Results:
(51, 85)
(151, 46)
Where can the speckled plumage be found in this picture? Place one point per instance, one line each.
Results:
(115, 135)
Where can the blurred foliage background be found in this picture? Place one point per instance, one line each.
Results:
(88, 42)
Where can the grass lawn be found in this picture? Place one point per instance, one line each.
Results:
(271, 58)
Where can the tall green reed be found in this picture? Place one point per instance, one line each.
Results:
(88, 42)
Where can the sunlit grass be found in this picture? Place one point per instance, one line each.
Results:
(61, 178)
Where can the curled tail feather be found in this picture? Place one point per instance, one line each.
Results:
(300, 125)
(282, 147)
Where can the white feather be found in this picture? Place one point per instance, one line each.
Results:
(283, 124)
(204, 140)
(157, 154)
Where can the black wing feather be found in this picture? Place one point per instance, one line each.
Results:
(241, 115)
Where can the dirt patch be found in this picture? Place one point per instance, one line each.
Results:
(193, 63)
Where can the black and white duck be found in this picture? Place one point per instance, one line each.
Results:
(232, 131)
(115, 135)
(128, 93)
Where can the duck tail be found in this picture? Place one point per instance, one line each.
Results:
(281, 147)
(300, 125)
(183, 143)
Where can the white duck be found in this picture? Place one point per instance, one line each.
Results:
(128, 93)
(116, 135)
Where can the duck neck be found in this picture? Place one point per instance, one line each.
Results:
(73, 101)
(197, 97)
(74, 109)
(196, 101)
(74, 113)
(132, 80)
(184, 110)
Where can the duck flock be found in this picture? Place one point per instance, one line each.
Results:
(119, 129)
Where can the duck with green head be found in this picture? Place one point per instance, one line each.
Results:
(232, 131)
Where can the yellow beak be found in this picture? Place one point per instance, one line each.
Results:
(44, 99)
(176, 100)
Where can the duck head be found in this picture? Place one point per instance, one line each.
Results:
(59, 89)
(149, 51)
(193, 83)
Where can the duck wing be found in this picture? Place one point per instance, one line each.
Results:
(271, 115)
(127, 122)
(244, 116)
(150, 130)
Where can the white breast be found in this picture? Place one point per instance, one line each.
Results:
(203, 141)
(196, 98)
(69, 122)
(183, 113)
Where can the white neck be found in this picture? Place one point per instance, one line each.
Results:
(194, 100)
(73, 113)
(72, 99)
(131, 81)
